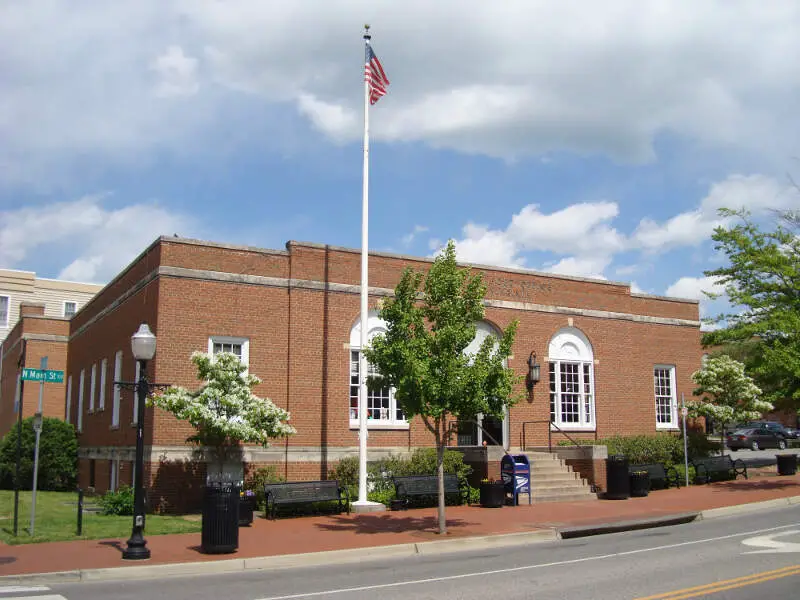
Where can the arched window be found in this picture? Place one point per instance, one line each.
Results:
(382, 408)
(492, 430)
(571, 366)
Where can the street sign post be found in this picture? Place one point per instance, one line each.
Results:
(37, 428)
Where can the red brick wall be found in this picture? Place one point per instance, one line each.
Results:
(298, 345)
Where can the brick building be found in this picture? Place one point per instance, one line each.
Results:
(293, 316)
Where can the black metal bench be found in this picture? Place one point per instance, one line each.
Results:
(420, 486)
(660, 476)
(719, 468)
(304, 492)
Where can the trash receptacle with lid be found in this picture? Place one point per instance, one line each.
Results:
(618, 485)
(220, 532)
(787, 464)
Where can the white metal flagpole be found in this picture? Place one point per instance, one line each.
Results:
(362, 363)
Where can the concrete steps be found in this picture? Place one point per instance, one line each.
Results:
(554, 481)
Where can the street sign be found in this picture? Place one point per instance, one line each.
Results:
(684, 412)
(43, 375)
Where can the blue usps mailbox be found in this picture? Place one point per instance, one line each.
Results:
(515, 470)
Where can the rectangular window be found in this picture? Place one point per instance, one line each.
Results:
(101, 402)
(572, 394)
(136, 396)
(68, 403)
(70, 308)
(5, 303)
(92, 387)
(113, 475)
(238, 346)
(115, 399)
(666, 399)
(92, 472)
(81, 385)
(381, 405)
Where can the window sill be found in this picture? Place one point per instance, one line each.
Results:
(379, 425)
(667, 428)
(572, 428)
(114, 427)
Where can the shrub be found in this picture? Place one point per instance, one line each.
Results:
(119, 502)
(661, 447)
(346, 472)
(261, 476)
(698, 445)
(58, 456)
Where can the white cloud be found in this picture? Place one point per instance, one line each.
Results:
(484, 246)
(581, 267)
(98, 241)
(177, 73)
(693, 288)
(756, 193)
(410, 237)
(606, 78)
(636, 289)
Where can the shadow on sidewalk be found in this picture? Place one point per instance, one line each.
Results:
(391, 523)
(112, 544)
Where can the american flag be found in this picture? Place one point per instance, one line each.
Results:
(375, 77)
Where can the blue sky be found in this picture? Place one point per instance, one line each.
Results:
(590, 139)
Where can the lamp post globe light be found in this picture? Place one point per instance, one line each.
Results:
(143, 345)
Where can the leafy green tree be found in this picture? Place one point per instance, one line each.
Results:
(58, 456)
(762, 282)
(422, 357)
(224, 411)
(728, 393)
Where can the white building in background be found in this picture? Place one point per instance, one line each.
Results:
(60, 298)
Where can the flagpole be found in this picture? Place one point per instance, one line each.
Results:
(362, 502)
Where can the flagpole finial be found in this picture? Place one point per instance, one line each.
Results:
(367, 35)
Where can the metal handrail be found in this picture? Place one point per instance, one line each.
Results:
(549, 434)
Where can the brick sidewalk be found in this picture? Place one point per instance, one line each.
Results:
(339, 532)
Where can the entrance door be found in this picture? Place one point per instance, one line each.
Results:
(492, 431)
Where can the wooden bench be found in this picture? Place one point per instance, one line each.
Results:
(719, 468)
(304, 492)
(418, 486)
(660, 476)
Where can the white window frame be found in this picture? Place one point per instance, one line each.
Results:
(116, 397)
(81, 385)
(570, 353)
(92, 387)
(224, 339)
(68, 407)
(75, 304)
(673, 397)
(135, 395)
(389, 418)
(8, 310)
(113, 474)
(101, 400)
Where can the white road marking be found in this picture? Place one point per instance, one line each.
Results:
(21, 589)
(45, 597)
(525, 568)
(772, 545)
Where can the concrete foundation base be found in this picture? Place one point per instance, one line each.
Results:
(367, 507)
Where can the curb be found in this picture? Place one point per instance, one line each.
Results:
(328, 557)
(353, 555)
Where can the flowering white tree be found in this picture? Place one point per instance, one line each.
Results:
(729, 394)
(224, 410)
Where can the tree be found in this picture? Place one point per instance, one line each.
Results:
(422, 357)
(224, 410)
(762, 283)
(58, 456)
(730, 396)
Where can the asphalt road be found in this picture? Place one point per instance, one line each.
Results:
(756, 555)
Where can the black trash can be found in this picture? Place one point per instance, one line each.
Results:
(618, 486)
(640, 484)
(787, 464)
(220, 518)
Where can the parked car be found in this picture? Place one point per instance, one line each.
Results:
(778, 428)
(754, 438)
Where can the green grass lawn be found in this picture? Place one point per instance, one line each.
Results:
(57, 519)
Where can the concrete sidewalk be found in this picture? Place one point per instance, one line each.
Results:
(341, 538)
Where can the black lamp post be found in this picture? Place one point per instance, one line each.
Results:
(143, 344)
(534, 371)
